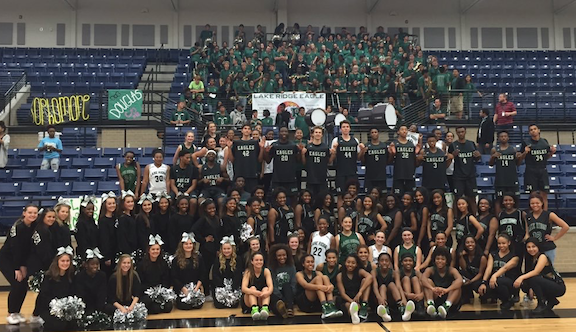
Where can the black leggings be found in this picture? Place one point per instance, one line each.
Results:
(286, 295)
(546, 289)
(504, 290)
(18, 289)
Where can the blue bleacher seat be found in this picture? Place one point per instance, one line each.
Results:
(104, 162)
(47, 175)
(95, 174)
(23, 175)
(91, 152)
(554, 169)
(569, 182)
(9, 189)
(112, 152)
(484, 184)
(15, 163)
(107, 186)
(12, 209)
(82, 162)
(29, 153)
(32, 188)
(58, 188)
(568, 170)
(33, 163)
(74, 174)
(485, 171)
(5, 175)
(568, 157)
(83, 188)
(111, 174)
(555, 184)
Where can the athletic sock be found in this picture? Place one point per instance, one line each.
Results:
(323, 302)
(430, 302)
(447, 304)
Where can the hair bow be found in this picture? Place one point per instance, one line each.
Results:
(68, 250)
(228, 239)
(111, 194)
(93, 253)
(289, 234)
(127, 193)
(162, 195)
(188, 236)
(64, 201)
(41, 211)
(87, 200)
(145, 197)
(152, 240)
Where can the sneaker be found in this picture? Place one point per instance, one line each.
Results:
(337, 312)
(13, 319)
(442, 311)
(21, 318)
(552, 303)
(324, 311)
(363, 312)
(281, 307)
(507, 305)
(255, 313)
(382, 311)
(515, 298)
(410, 307)
(264, 313)
(37, 320)
(431, 310)
(540, 309)
(290, 313)
(354, 313)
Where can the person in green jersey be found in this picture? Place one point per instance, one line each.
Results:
(347, 241)
(129, 173)
(300, 122)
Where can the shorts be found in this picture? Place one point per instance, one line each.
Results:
(401, 186)
(290, 187)
(341, 182)
(212, 192)
(500, 191)
(306, 305)
(370, 184)
(465, 187)
(536, 179)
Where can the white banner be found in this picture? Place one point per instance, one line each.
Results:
(75, 210)
(292, 101)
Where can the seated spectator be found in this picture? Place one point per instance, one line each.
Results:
(222, 118)
(52, 147)
(237, 116)
(267, 121)
(180, 116)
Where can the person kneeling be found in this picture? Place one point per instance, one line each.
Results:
(442, 283)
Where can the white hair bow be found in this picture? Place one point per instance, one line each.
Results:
(127, 193)
(68, 250)
(145, 197)
(111, 194)
(289, 234)
(40, 211)
(162, 195)
(152, 240)
(93, 253)
(228, 239)
(87, 200)
(63, 201)
(188, 236)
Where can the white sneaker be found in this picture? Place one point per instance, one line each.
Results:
(13, 319)
(442, 312)
(354, 313)
(37, 320)
(21, 318)
(431, 310)
(383, 313)
(410, 307)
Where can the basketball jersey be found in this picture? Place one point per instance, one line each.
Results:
(462, 228)
(157, 179)
(190, 150)
(128, 174)
(346, 156)
(284, 224)
(411, 250)
(211, 174)
(438, 223)
(499, 262)
(308, 223)
(319, 245)
(539, 228)
(511, 225)
(317, 163)
(537, 158)
(375, 161)
(246, 162)
(442, 281)
(464, 166)
(367, 224)
(404, 161)
(260, 225)
(434, 169)
(284, 159)
(347, 246)
(506, 172)
(376, 253)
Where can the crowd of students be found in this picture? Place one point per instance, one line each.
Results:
(281, 246)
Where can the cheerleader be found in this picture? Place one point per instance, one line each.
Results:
(86, 227)
(13, 262)
(466, 222)
(347, 241)
(330, 267)
(284, 279)
(393, 218)
(407, 281)
(365, 262)
(378, 247)
(43, 242)
(369, 220)
(542, 278)
(63, 235)
(354, 287)
(422, 216)
(258, 223)
(440, 243)
(90, 282)
(325, 207)
(441, 218)
(490, 224)
(304, 214)
(153, 271)
(320, 242)
(57, 284)
(384, 286)
(208, 230)
(107, 223)
(144, 222)
(501, 272)
(126, 229)
(231, 225)
(161, 218)
(442, 284)
(280, 219)
(257, 287)
(187, 267)
(408, 246)
(314, 290)
(348, 208)
(180, 222)
(539, 226)
(124, 287)
(472, 265)
(226, 270)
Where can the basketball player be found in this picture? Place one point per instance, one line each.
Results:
(434, 162)
(316, 162)
(506, 159)
(465, 155)
(211, 179)
(246, 156)
(404, 154)
(375, 156)
(156, 175)
(285, 155)
(344, 150)
(184, 178)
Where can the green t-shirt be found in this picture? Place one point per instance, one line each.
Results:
(267, 121)
(221, 120)
(440, 81)
(438, 111)
(300, 123)
(280, 63)
(211, 89)
(180, 116)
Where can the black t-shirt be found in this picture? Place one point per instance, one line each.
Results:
(375, 160)
(506, 172)
(537, 158)
(464, 166)
(246, 162)
(317, 163)
(434, 169)
(284, 159)
(211, 173)
(404, 161)
(346, 156)
(183, 177)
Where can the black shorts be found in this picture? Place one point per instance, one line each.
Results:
(401, 186)
(341, 182)
(500, 191)
(213, 192)
(370, 184)
(290, 187)
(465, 187)
(306, 305)
(536, 179)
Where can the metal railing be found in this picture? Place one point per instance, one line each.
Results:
(12, 91)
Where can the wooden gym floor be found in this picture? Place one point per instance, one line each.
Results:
(232, 320)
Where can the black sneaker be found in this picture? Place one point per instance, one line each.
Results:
(505, 306)
(540, 309)
(552, 303)
(515, 298)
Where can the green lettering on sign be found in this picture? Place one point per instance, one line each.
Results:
(124, 104)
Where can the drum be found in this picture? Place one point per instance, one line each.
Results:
(339, 118)
(316, 117)
(390, 115)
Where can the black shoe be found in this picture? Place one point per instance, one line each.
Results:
(551, 303)
(515, 298)
(505, 306)
(540, 309)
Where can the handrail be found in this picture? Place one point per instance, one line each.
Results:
(13, 91)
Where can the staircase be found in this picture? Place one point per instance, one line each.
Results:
(155, 84)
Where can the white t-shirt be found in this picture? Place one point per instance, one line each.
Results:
(319, 245)
(376, 252)
(269, 167)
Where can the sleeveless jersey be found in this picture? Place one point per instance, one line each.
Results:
(331, 275)
(284, 224)
(411, 250)
(300, 289)
(442, 281)
(537, 158)
(319, 245)
(351, 286)
(347, 246)
(485, 223)
(157, 179)
(259, 281)
(473, 266)
(375, 161)
(506, 172)
(389, 219)
(245, 154)
(501, 262)
(376, 253)
(242, 214)
(317, 163)
(211, 174)
(384, 279)
(434, 169)
(183, 176)
(308, 219)
(464, 166)
(128, 174)
(438, 223)
(539, 228)
(404, 161)
(190, 150)
(346, 156)
(511, 225)
(284, 159)
(261, 226)
(367, 224)
(462, 227)
(332, 218)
